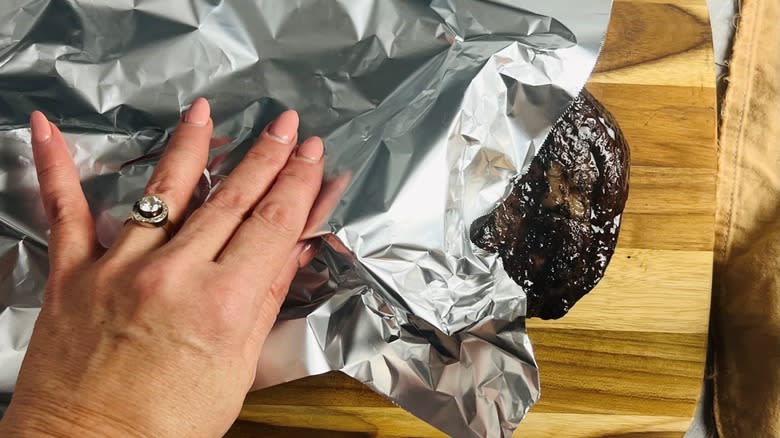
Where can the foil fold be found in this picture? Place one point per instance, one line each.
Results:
(428, 109)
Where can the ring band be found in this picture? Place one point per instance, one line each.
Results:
(151, 212)
(168, 227)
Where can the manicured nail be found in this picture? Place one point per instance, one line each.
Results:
(311, 150)
(285, 126)
(199, 113)
(297, 251)
(40, 127)
(303, 256)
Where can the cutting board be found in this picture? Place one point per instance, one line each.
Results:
(629, 358)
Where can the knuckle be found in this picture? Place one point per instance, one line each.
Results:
(147, 279)
(62, 214)
(278, 217)
(164, 184)
(106, 273)
(265, 158)
(230, 200)
(155, 279)
(185, 141)
(190, 148)
(50, 172)
(229, 298)
(300, 180)
(278, 292)
(58, 204)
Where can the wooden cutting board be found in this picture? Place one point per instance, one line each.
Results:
(628, 359)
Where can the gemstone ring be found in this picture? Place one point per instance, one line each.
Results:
(150, 211)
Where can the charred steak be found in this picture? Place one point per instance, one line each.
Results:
(557, 230)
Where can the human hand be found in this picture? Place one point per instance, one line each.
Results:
(160, 337)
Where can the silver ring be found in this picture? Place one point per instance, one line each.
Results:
(152, 212)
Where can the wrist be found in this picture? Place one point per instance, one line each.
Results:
(61, 420)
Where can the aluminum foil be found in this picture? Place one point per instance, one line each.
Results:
(427, 108)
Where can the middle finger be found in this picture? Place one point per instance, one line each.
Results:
(217, 219)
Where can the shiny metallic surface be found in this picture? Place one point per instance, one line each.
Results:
(150, 210)
(427, 108)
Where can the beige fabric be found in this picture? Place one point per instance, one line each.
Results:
(746, 301)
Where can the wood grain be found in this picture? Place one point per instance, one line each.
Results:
(628, 359)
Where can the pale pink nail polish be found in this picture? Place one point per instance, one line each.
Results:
(302, 254)
(40, 127)
(199, 113)
(311, 150)
(284, 128)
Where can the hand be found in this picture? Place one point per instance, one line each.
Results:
(161, 337)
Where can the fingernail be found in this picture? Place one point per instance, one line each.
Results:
(303, 255)
(199, 113)
(285, 126)
(297, 251)
(40, 127)
(311, 150)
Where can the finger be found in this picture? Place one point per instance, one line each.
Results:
(175, 177)
(329, 197)
(72, 240)
(218, 218)
(275, 225)
(309, 251)
(269, 309)
(268, 305)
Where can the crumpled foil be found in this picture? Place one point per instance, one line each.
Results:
(427, 108)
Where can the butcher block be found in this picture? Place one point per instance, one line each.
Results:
(628, 359)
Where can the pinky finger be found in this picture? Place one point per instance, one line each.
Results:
(270, 304)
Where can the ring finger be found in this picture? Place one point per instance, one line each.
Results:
(174, 179)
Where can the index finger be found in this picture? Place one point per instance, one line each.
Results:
(72, 240)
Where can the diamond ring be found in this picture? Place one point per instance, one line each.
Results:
(150, 211)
